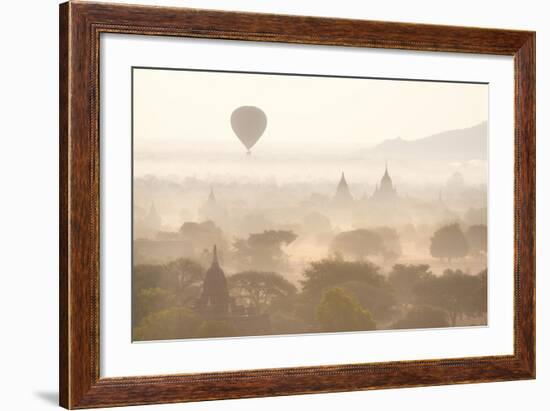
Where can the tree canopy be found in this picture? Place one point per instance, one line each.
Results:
(202, 235)
(150, 300)
(449, 242)
(340, 311)
(329, 272)
(423, 316)
(264, 250)
(259, 289)
(183, 272)
(358, 243)
(451, 291)
(216, 328)
(390, 238)
(169, 324)
(403, 278)
(378, 300)
(159, 286)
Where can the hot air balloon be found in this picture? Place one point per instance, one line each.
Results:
(248, 123)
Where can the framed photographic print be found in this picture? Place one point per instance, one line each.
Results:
(257, 205)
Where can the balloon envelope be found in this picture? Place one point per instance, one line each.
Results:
(248, 123)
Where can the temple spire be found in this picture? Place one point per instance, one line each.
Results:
(343, 194)
(343, 184)
(214, 298)
(215, 256)
(211, 196)
(386, 191)
(152, 218)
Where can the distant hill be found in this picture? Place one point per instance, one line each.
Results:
(454, 145)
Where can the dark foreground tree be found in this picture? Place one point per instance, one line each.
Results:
(478, 297)
(449, 242)
(183, 272)
(216, 328)
(170, 324)
(358, 243)
(147, 276)
(403, 278)
(159, 287)
(259, 289)
(378, 300)
(284, 322)
(423, 316)
(330, 272)
(340, 311)
(173, 276)
(452, 292)
(148, 301)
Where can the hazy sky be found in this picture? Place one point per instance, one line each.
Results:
(182, 118)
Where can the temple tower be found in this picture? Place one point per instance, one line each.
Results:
(212, 210)
(215, 297)
(386, 190)
(343, 195)
(152, 219)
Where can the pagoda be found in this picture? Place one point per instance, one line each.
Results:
(214, 298)
(343, 195)
(386, 191)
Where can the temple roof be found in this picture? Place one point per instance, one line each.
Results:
(342, 191)
(153, 218)
(211, 196)
(215, 297)
(386, 179)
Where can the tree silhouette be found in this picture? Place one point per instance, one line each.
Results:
(452, 291)
(161, 286)
(329, 272)
(170, 324)
(202, 235)
(264, 251)
(340, 311)
(147, 276)
(378, 300)
(423, 316)
(391, 242)
(182, 273)
(358, 243)
(477, 239)
(404, 278)
(477, 301)
(183, 277)
(449, 242)
(283, 322)
(260, 289)
(216, 328)
(148, 301)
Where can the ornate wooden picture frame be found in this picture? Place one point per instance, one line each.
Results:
(81, 24)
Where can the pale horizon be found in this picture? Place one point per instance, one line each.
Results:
(317, 123)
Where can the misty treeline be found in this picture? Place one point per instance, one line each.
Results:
(347, 290)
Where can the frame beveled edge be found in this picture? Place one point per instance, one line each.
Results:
(80, 25)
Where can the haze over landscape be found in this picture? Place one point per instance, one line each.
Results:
(360, 193)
